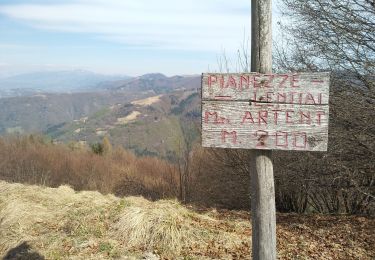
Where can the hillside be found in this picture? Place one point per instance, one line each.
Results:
(59, 223)
(158, 125)
(48, 112)
(40, 112)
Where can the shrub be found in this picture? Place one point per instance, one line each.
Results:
(34, 161)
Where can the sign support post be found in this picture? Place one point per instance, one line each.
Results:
(263, 111)
(263, 211)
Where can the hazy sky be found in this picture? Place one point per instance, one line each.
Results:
(130, 37)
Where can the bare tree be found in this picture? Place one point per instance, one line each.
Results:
(338, 36)
(317, 35)
(330, 34)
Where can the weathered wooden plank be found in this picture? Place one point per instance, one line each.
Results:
(289, 104)
(264, 126)
(299, 88)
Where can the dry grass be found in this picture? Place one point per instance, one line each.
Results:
(132, 116)
(147, 101)
(59, 223)
(164, 225)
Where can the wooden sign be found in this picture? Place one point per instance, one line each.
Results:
(266, 111)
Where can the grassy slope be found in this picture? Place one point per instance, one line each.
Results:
(158, 130)
(61, 223)
(45, 112)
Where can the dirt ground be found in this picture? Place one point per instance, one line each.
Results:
(59, 223)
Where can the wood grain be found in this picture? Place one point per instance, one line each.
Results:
(285, 126)
(263, 210)
(248, 104)
(267, 87)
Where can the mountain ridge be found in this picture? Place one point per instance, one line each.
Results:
(57, 81)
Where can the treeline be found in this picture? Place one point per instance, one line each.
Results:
(36, 160)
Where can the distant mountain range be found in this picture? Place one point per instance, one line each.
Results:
(156, 82)
(54, 81)
(72, 81)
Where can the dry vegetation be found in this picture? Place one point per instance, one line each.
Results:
(59, 223)
(338, 182)
(33, 160)
(132, 116)
(147, 101)
(323, 35)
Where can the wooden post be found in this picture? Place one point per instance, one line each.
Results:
(238, 112)
(263, 211)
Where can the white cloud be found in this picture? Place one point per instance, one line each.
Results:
(163, 24)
